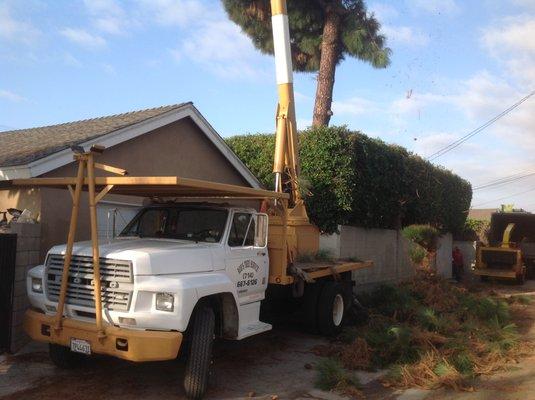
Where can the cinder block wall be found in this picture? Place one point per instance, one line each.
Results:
(28, 240)
(388, 250)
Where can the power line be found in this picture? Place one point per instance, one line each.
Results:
(504, 181)
(503, 198)
(471, 134)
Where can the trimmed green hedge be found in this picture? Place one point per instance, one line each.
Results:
(357, 180)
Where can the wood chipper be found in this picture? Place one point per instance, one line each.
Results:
(511, 250)
(185, 271)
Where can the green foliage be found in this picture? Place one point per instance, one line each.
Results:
(331, 374)
(256, 151)
(361, 181)
(473, 229)
(429, 323)
(463, 363)
(417, 253)
(359, 31)
(429, 319)
(425, 236)
(327, 164)
(324, 255)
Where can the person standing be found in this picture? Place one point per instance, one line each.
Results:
(457, 263)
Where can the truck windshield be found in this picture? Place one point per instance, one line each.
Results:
(195, 224)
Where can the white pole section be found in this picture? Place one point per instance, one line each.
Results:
(281, 44)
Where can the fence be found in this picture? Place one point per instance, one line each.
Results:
(388, 250)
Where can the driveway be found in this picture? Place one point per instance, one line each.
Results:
(277, 364)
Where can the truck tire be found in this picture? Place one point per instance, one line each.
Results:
(62, 357)
(331, 309)
(200, 353)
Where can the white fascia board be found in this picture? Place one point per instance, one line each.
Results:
(15, 172)
(64, 157)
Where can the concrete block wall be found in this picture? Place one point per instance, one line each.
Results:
(27, 257)
(388, 250)
(445, 247)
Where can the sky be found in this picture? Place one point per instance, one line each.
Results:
(455, 65)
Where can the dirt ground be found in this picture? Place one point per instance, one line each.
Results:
(278, 363)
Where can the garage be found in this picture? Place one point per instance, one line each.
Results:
(113, 217)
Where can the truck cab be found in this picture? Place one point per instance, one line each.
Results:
(166, 260)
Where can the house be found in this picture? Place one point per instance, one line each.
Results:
(483, 214)
(171, 140)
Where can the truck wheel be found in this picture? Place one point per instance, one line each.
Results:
(331, 309)
(62, 357)
(200, 353)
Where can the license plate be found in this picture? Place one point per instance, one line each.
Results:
(80, 346)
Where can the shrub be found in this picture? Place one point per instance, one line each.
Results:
(417, 253)
(357, 180)
(473, 229)
(331, 374)
(423, 235)
(429, 333)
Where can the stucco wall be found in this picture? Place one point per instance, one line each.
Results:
(21, 199)
(179, 149)
(388, 250)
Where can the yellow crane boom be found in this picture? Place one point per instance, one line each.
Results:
(302, 237)
(286, 158)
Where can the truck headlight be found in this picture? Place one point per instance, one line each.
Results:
(165, 302)
(37, 285)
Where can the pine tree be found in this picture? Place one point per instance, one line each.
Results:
(323, 33)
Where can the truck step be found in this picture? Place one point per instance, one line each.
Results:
(253, 329)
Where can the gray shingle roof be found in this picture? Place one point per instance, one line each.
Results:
(23, 146)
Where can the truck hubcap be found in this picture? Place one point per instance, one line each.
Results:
(338, 309)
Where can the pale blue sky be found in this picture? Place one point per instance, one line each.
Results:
(455, 64)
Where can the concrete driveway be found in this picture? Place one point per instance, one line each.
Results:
(276, 363)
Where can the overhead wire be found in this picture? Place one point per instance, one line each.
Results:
(503, 198)
(504, 181)
(474, 132)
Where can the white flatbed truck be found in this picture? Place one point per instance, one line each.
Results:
(183, 272)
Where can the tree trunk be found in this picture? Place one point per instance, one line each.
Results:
(329, 57)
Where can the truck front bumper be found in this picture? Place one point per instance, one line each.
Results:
(128, 344)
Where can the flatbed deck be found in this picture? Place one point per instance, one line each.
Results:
(320, 269)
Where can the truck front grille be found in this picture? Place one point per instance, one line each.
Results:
(116, 277)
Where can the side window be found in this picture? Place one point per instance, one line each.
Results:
(242, 231)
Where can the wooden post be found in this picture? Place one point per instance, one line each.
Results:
(94, 243)
(70, 240)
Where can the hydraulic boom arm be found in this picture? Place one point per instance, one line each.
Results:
(286, 158)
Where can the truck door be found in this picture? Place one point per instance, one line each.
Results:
(247, 260)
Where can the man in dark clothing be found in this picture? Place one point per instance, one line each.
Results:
(457, 263)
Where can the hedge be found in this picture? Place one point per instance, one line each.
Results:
(357, 180)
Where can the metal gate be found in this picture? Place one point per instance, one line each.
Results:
(8, 249)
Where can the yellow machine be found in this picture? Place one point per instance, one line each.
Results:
(503, 260)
